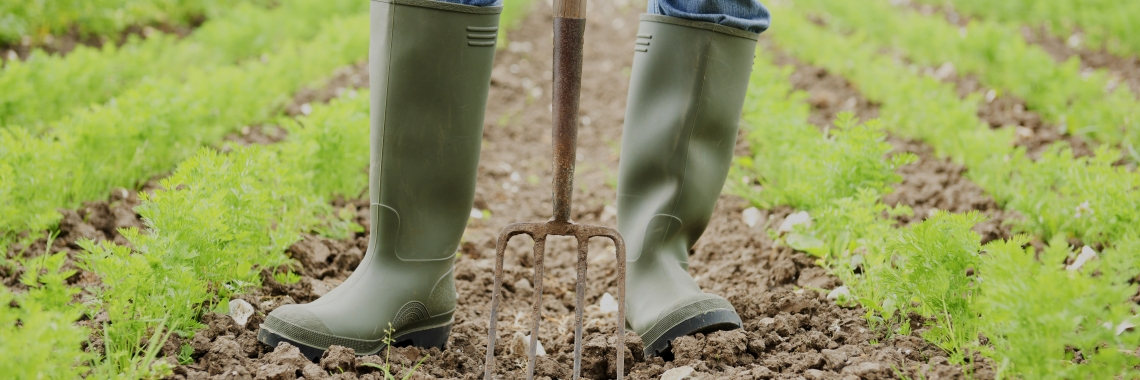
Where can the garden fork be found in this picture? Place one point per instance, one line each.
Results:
(569, 27)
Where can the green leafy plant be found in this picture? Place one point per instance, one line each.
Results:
(386, 368)
(154, 126)
(998, 55)
(38, 335)
(1005, 291)
(43, 89)
(1098, 24)
(40, 19)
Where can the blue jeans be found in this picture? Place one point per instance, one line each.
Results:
(748, 15)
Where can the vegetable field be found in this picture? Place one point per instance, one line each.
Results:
(922, 189)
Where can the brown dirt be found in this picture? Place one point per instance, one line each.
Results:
(791, 330)
(65, 43)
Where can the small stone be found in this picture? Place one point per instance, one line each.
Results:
(840, 293)
(1087, 253)
(476, 213)
(240, 311)
(608, 304)
(794, 220)
(751, 216)
(677, 373)
(523, 287)
(539, 351)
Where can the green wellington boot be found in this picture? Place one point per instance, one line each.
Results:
(686, 92)
(430, 67)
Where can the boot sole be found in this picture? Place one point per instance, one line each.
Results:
(427, 338)
(716, 320)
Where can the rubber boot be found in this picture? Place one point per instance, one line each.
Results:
(430, 67)
(686, 92)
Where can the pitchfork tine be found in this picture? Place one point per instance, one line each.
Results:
(579, 296)
(569, 28)
(536, 311)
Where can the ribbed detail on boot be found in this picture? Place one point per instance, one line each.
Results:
(412, 312)
(322, 340)
(443, 296)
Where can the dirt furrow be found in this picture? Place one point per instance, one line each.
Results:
(65, 43)
(929, 184)
(1125, 69)
(999, 108)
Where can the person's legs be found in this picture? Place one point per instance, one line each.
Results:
(747, 15)
(430, 68)
(686, 93)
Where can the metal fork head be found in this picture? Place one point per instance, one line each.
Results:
(539, 231)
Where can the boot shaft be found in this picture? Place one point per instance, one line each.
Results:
(686, 93)
(430, 67)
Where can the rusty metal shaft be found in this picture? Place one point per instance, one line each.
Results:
(568, 42)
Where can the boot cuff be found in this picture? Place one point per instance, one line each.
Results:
(700, 25)
(447, 6)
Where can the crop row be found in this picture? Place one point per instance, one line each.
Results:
(1100, 23)
(43, 89)
(1089, 105)
(217, 223)
(227, 217)
(150, 128)
(1088, 198)
(39, 19)
(1033, 311)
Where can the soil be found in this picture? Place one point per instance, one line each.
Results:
(791, 329)
(65, 43)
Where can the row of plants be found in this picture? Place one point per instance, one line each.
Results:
(219, 220)
(1087, 198)
(45, 88)
(1085, 104)
(1004, 300)
(150, 128)
(1099, 23)
(37, 20)
(216, 224)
